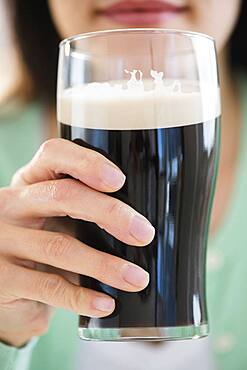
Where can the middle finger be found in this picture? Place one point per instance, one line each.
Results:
(68, 197)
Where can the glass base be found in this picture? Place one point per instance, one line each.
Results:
(143, 334)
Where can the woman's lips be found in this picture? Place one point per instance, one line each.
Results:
(141, 13)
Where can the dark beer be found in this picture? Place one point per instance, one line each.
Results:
(170, 178)
(149, 100)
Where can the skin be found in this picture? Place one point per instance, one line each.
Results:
(38, 191)
(202, 16)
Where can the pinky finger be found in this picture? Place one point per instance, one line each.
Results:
(56, 291)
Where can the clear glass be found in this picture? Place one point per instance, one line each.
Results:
(149, 100)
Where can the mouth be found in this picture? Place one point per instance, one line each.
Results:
(144, 13)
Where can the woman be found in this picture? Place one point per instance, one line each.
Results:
(26, 293)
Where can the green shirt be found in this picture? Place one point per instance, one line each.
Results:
(20, 136)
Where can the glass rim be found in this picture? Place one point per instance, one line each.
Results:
(172, 31)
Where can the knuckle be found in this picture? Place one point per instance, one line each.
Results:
(46, 148)
(50, 286)
(93, 158)
(58, 246)
(51, 190)
(92, 167)
(103, 267)
(115, 208)
(90, 155)
(17, 178)
(90, 162)
(77, 300)
(61, 190)
(95, 163)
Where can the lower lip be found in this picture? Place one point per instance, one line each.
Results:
(144, 18)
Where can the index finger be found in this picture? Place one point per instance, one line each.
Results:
(59, 157)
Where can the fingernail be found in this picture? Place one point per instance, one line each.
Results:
(103, 304)
(141, 229)
(135, 275)
(112, 176)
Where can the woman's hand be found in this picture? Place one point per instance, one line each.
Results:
(39, 191)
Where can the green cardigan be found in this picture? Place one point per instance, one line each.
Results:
(20, 136)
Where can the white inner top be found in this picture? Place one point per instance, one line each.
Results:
(138, 104)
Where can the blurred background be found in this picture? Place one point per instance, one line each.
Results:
(9, 66)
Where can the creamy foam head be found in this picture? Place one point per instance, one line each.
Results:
(149, 104)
